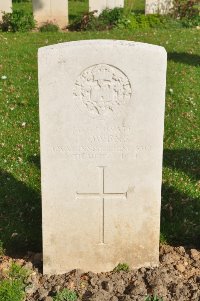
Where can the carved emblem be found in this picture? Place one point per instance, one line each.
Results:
(102, 88)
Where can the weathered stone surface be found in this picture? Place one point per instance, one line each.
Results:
(100, 5)
(158, 6)
(5, 6)
(102, 116)
(54, 11)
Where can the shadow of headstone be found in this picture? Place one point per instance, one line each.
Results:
(180, 218)
(35, 160)
(20, 216)
(184, 58)
(37, 5)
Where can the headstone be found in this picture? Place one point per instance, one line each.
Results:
(52, 11)
(102, 114)
(5, 6)
(161, 7)
(100, 5)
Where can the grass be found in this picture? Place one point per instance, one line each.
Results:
(20, 200)
(27, 6)
(121, 267)
(12, 286)
(66, 295)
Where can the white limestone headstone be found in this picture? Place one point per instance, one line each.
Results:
(100, 5)
(161, 7)
(5, 6)
(102, 117)
(53, 11)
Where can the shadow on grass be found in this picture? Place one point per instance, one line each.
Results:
(186, 160)
(180, 219)
(20, 216)
(35, 160)
(185, 58)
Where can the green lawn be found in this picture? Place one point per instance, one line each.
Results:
(20, 201)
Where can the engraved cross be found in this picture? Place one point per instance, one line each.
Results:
(102, 195)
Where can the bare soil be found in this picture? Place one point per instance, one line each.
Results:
(176, 278)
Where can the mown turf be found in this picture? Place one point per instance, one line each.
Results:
(20, 201)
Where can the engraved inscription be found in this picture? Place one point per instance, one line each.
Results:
(102, 89)
(122, 154)
(91, 143)
(103, 196)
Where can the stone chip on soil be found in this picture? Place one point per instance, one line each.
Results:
(194, 254)
(180, 267)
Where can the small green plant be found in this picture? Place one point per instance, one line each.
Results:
(66, 295)
(121, 267)
(18, 20)
(108, 19)
(16, 272)
(190, 23)
(111, 16)
(49, 27)
(133, 21)
(12, 288)
(116, 18)
(153, 298)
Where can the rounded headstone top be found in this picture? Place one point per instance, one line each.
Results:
(104, 43)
